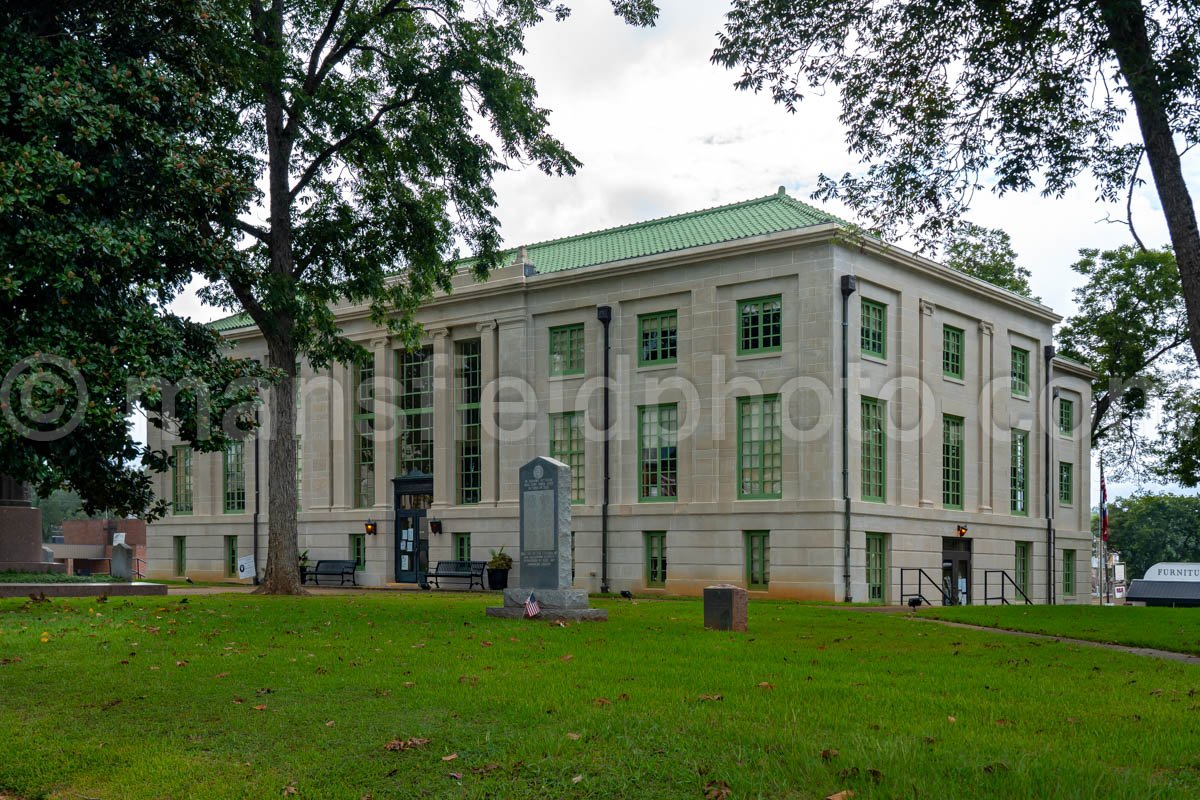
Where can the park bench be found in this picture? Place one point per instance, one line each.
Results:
(467, 570)
(332, 569)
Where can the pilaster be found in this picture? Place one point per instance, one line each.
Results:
(489, 449)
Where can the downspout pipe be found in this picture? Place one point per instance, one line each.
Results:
(604, 315)
(1048, 353)
(849, 286)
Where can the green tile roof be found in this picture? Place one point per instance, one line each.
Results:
(771, 214)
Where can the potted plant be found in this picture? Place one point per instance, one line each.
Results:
(497, 569)
(303, 564)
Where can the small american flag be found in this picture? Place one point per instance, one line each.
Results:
(532, 609)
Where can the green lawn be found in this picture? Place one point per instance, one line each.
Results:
(242, 696)
(1176, 629)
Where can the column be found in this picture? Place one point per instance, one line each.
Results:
(443, 417)
(489, 489)
(517, 414)
(986, 422)
(927, 414)
(385, 422)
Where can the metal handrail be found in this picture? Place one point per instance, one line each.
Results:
(920, 574)
(1005, 578)
(139, 571)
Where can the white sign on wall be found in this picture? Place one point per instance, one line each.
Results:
(1173, 571)
(118, 537)
(246, 567)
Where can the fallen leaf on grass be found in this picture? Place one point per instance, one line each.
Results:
(470, 680)
(1000, 723)
(329, 724)
(486, 644)
(849, 772)
(409, 684)
(456, 775)
(237, 701)
(221, 675)
(574, 737)
(829, 753)
(622, 697)
(290, 790)
(450, 757)
(491, 766)
(577, 779)
(876, 775)
(567, 657)
(412, 743)
(181, 663)
(998, 766)
(602, 701)
(717, 790)
(767, 686)
(845, 794)
(928, 739)
(260, 708)
(951, 720)
(711, 698)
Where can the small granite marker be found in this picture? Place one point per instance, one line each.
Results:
(725, 607)
(545, 556)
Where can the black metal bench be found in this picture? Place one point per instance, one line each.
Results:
(470, 571)
(333, 568)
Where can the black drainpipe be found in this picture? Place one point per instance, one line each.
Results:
(849, 284)
(1048, 352)
(604, 314)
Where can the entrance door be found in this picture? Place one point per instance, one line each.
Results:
(956, 570)
(413, 496)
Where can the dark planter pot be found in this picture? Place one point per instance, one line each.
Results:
(497, 578)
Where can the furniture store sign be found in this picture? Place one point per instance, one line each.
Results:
(1168, 571)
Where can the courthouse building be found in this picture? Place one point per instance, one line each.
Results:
(793, 406)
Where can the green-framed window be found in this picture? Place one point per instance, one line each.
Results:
(1066, 483)
(874, 451)
(659, 335)
(760, 447)
(461, 545)
(952, 351)
(1020, 372)
(656, 558)
(877, 567)
(1019, 473)
(181, 480)
(566, 349)
(231, 556)
(952, 461)
(1066, 416)
(1021, 566)
(658, 439)
(358, 550)
(363, 451)
(468, 384)
(874, 328)
(758, 559)
(233, 477)
(414, 412)
(567, 445)
(180, 543)
(1068, 572)
(760, 325)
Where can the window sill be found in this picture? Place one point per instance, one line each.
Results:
(954, 379)
(759, 354)
(871, 358)
(658, 365)
(657, 499)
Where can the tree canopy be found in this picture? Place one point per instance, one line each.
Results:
(110, 172)
(943, 100)
(377, 127)
(987, 254)
(1148, 528)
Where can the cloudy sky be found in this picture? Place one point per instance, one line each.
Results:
(661, 131)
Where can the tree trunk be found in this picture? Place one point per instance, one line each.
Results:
(1125, 21)
(282, 575)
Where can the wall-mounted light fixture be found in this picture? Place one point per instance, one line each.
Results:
(435, 526)
(370, 527)
(961, 530)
